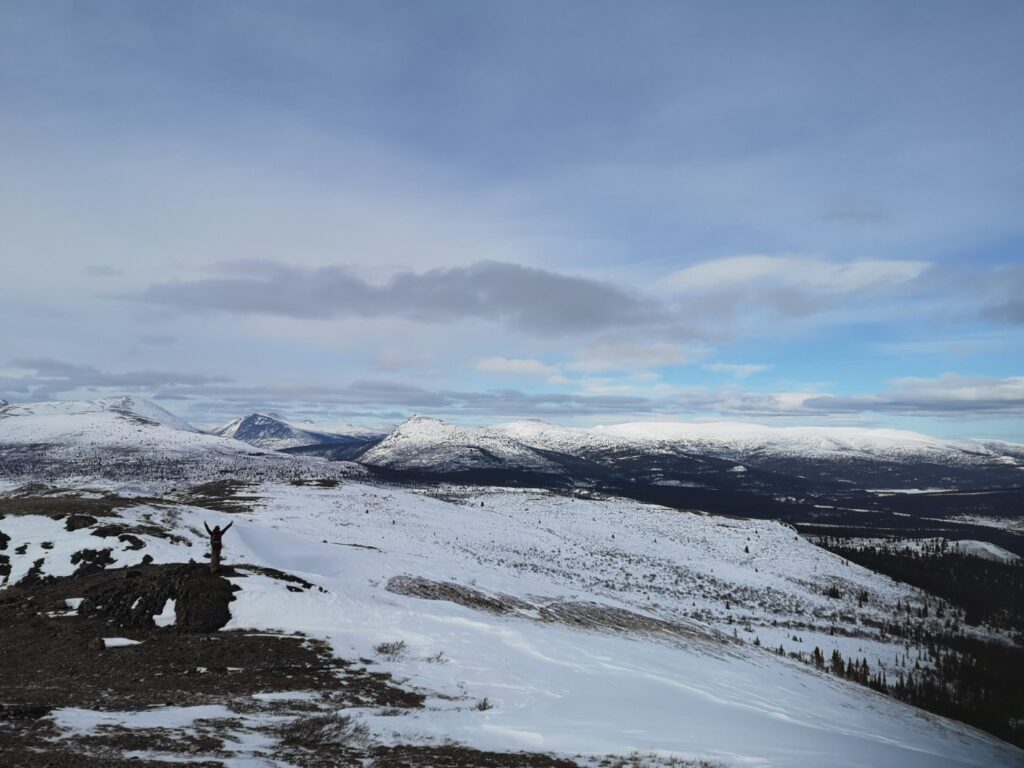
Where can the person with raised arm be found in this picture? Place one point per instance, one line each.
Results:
(216, 536)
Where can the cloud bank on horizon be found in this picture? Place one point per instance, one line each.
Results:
(587, 212)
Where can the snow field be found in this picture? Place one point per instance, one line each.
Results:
(554, 687)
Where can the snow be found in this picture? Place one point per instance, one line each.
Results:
(110, 438)
(691, 692)
(429, 444)
(116, 422)
(244, 739)
(423, 442)
(62, 416)
(82, 721)
(908, 491)
(286, 696)
(31, 531)
(984, 549)
(276, 433)
(736, 440)
(555, 688)
(1015, 524)
(972, 547)
(127, 438)
(166, 616)
(119, 642)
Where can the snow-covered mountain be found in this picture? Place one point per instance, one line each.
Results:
(740, 441)
(277, 433)
(110, 418)
(722, 455)
(426, 444)
(126, 437)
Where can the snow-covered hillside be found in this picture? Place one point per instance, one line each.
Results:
(538, 622)
(697, 455)
(126, 437)
(985, 550)
(109, 418)
(424, 443)
(741, 441)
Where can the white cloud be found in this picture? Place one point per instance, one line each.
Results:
(950, 394)
(517, 367)
(812, 274)
(955, 389)
(623, 355)
(740, 371)
(399, 360)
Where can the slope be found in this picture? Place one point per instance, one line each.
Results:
(541, 622)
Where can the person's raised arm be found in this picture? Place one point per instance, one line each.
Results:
(228, 526)
(208, 531)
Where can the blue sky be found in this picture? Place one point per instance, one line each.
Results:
(588, 212)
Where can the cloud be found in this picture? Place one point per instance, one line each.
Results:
(102, 270)
(393, 360)
(524, 298)
(1009, 312)
(44, 378)
(516, 367)
(215, 399)
(1000, 292)
(156, 339)
(810, 274)
(625, 355)
(858, 216)
(740, 371)
(951, 394)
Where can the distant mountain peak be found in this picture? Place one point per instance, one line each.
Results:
(272, 431)
(432, 444)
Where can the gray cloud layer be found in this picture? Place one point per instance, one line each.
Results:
(526, 298)
(45, 378)
(700, 302)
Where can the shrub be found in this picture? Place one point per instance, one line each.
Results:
(391, 651)
(331, 728)
(483, 705)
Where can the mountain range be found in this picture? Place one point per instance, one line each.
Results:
(709, 454)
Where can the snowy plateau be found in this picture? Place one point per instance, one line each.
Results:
(385, 607)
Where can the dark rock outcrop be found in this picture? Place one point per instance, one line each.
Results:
(132, 597)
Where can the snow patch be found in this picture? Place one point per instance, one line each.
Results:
(119, 642)
(166, 617)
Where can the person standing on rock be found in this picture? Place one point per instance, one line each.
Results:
(215, 544)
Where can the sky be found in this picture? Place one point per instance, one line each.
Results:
(585, 212)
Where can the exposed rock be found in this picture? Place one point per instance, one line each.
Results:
(132, 597)
(76, 522)
(23, 711)
(133, 541)
(35, 573)
(91, 560)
